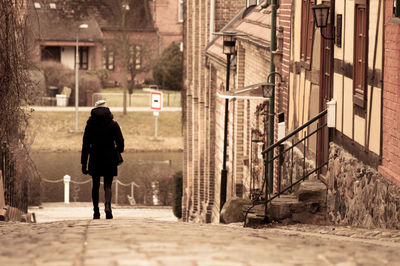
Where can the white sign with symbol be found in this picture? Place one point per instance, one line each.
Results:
(156, 100)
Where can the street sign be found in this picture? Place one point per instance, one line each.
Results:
(156, 100)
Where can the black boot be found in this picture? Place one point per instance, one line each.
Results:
(107, 210)
(96, 213)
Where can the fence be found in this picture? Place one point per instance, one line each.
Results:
(67, 180)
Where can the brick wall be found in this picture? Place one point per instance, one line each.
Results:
(200, 201)
(391, 94)
(166, 20)
(284, 17)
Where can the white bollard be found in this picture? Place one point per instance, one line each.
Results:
(67, 179)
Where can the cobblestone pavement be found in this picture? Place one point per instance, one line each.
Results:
(158, 239)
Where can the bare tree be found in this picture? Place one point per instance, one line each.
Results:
(16, 90)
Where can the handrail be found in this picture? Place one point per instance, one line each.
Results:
(294, 132)
(298, 142)
(268, 197)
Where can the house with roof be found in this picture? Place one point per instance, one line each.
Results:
(98, 28)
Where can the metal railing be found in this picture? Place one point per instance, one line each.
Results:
(267, 186)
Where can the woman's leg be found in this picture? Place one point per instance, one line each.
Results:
(107, 188)
(95, 196)
(108, 195)
(95, 191)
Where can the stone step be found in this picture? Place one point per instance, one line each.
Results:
(311, 191)
(283, 207)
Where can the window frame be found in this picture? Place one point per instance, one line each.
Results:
(396, 8)
(83, 57)
(180, 11)
(108, 58)
(307, 33)
(360, 60)
(135, 53)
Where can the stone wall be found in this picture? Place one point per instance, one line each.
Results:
(292, 166)
(358, 195)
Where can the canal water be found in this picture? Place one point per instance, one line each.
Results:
(145, 169)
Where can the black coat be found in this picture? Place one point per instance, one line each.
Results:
(101, 141)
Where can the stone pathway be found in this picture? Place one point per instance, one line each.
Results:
(160, 240)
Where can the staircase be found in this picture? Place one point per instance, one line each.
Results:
(306, 205)
(302, 200)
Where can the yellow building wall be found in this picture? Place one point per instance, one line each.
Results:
(355, 126)
(375, 132)
(338, 96)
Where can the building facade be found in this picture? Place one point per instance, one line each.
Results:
(341, 64)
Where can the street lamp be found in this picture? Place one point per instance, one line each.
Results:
(82, 26)
(321, 15)
(229, 42)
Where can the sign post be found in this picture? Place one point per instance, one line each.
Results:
(156, 105)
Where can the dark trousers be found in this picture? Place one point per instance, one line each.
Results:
(107, 189)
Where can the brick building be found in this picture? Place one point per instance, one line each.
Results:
(205, 81)
(54, 27)
(168, 20)
(201, 19)
(390, 167)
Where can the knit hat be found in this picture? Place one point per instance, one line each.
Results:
(100, 103)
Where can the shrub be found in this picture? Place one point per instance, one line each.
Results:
(60, 76)
(177, 194)
(86, 83)
(167, 70)
(102, 74)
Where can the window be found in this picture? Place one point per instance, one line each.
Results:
(360, 55)
(135, 56)
(84, 58)
(180, 11)
(108, 57)
(396, 8)
(252, 2)
(52, 5)
(307, 29)
(37, 5)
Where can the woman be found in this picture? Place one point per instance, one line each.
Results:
(102, 141)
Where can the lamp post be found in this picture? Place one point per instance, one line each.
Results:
(269, 168)
(229, 42)
(82, 26)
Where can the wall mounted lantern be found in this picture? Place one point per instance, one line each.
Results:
(269, 87)
(229, 42)
(321, 15)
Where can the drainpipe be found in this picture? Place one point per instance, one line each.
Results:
(212, 17)
(272, 100)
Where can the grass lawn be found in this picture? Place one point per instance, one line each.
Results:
(53, 131)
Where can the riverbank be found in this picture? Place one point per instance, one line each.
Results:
(54, 131)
